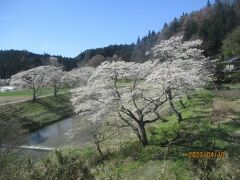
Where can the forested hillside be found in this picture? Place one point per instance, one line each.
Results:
(14, 61)
(213, 24)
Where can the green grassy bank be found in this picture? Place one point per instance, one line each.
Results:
(28, 92)
(33, 115)
(210, 123)
(25, 94)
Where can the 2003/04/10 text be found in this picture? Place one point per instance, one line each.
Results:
(199, 155)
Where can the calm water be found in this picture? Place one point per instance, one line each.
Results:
(54, 135)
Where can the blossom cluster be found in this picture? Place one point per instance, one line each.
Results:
(178, 65)
(47, 75)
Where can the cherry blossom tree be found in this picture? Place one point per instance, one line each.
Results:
(134, 105)
(183, 68)
(51, 76)
(177, 69)
(79, 76)
(32, 79)
(56, 79)
(4, 82)
(125, 70)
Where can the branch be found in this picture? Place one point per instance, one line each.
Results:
(118, 126)
(107, 137)
(115, 78)
(135, 104)
(127, 122)
(156, 104)
(129, 113)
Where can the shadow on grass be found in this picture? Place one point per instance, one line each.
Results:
(57, 105)
(33, 115)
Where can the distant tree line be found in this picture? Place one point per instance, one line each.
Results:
(135, 52)
(14, 61)
(123, 51)
(212, 24)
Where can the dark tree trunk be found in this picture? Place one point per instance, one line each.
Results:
(55, 91)
(142, 134)
(99, 149)
(34, 95)
(97, 143)
(138, 135)
(178, 114)
(182, 104)
(215, 87)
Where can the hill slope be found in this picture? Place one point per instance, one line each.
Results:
(14, 61)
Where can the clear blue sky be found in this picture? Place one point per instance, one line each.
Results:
(67, 27)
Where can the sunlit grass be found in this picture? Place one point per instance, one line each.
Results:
(28, 92)
(43, 111)
(166, 157)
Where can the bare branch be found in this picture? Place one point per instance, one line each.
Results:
(153, 120)
(126, 121)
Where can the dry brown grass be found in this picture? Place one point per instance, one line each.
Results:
(223, 108)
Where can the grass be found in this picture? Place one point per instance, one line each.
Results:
(170, 143)
(231, 86)
(33, 115)
(196, 133)
(28, 92)
(25, 94)
(126, 82)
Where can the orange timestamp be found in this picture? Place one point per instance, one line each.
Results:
(200, 155)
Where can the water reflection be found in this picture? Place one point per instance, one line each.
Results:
(54, 134)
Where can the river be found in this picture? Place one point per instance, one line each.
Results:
(36, 144)
(54, 135)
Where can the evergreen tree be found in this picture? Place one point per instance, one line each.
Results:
(165, 26)
(208, 3)
(214, 28)
(190, 29)
(231, 45)
(174, 25)
(153, 33)
(138, 40)
(149, 33)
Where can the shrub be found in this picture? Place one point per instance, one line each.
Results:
(164, 133)
(59, 165)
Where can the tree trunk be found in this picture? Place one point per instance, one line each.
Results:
(182, 104)
(34, 95)
(142, 134)
(178, 114)
(55, 90)
(138, 135)
(214, 84)
(99, 149)
(97, 145)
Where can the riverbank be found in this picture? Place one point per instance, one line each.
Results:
(25, 95)
(32, 115)
(210, 124)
